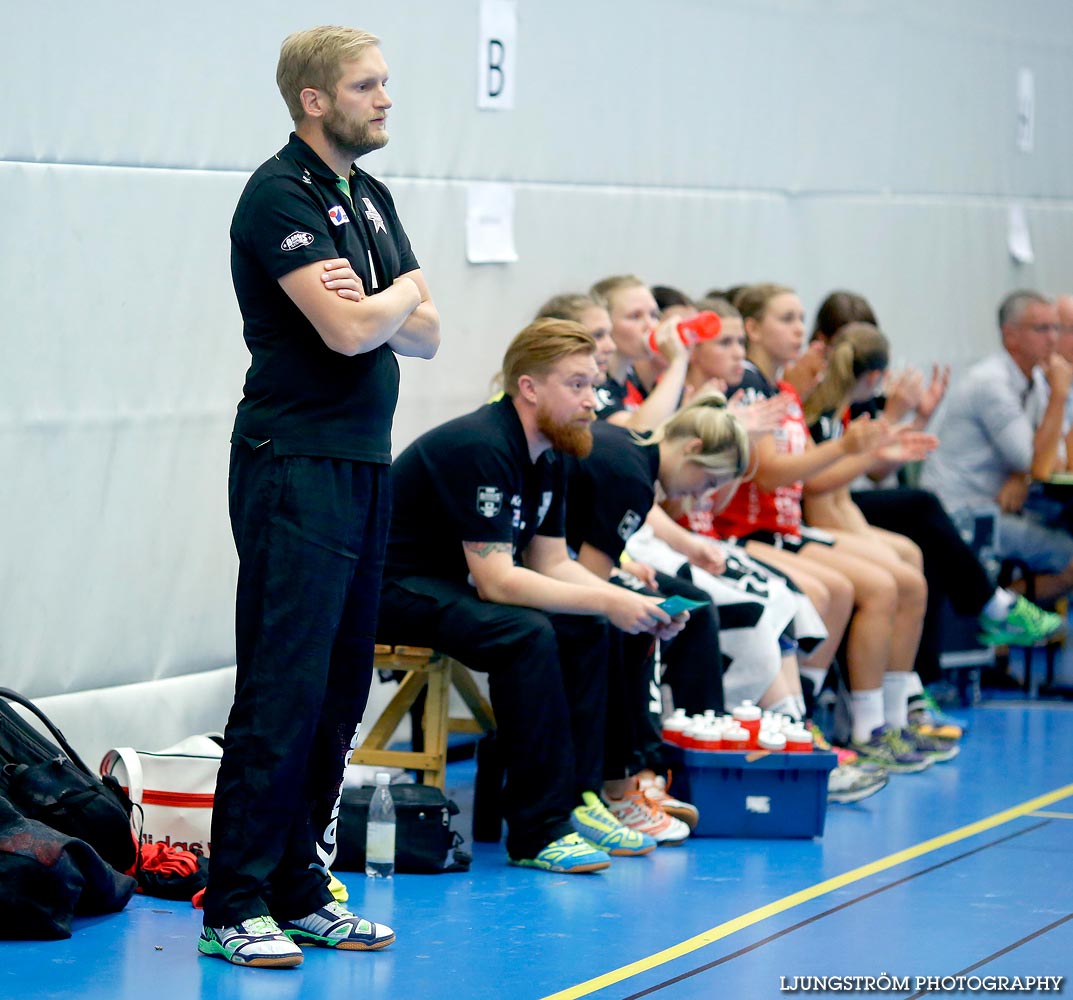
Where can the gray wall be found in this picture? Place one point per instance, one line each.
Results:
(823, 144)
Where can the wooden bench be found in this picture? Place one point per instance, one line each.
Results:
(433, 674)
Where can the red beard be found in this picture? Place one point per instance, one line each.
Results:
(569, 438)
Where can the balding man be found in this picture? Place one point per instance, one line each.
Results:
(1002, 428)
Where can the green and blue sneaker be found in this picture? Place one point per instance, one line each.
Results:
(887, 749)
(930, 747)
(334, 926)
(1025, 625)
(257, 942)
(596, 826)
(570, 855)
(930, 720)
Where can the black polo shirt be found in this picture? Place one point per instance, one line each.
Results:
(308, 399)
(611, 491)
(470, 480)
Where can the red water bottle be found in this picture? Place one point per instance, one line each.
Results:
(704, 326)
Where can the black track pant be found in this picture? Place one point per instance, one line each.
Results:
(950, 566)
(691, 663)
(310, 534)
(547, 677)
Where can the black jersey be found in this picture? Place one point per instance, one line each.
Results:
(611, 491)
(826, 427)
(470, 480)
(305, 397)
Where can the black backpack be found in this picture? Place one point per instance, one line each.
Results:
(53, 785)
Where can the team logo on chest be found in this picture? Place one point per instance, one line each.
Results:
(489, 500)
(374, 217)
(338, 215)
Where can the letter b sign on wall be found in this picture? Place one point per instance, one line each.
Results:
(497, 54)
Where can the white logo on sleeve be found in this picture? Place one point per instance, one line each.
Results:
(545, 503)
(338, 215)
(489, 500)
(630, 522)
(374, 217)
(296, 240)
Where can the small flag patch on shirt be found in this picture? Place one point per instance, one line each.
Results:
(337, 214)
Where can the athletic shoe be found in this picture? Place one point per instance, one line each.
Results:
(887, 749)
(933, 749)
(334, 926)
(847, 783)
(1025, 625)
(337, 889)
(570, 855)
(257, 941)
(655, 788)
(596, 826)
(931, 720)
(639, 812)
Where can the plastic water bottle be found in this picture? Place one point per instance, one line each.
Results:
(380, 831)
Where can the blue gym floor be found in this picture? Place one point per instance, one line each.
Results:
(965, 869)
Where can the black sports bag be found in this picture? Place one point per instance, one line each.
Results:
(51, 784)
(424, 841)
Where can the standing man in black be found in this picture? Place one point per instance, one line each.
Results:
(330, 292)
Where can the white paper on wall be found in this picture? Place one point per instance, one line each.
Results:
(490, 223)
(1026, 110)
(497, 57)
(1018, 237)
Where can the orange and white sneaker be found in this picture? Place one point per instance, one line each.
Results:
(637, 811)
(655, 788)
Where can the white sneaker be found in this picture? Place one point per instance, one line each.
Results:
(637, 811)
(257, 941)
(847, 783)
(334, 926)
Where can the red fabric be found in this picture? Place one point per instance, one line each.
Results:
(751, 508)
(167, 860)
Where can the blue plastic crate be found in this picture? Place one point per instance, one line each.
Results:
(772, 795)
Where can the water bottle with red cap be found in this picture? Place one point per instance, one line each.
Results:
(704, 326)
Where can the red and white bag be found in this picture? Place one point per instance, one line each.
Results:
(174, 788)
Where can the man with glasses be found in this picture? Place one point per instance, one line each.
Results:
(1002, 428)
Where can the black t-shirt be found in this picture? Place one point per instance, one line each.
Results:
(826, 427)
(755, 384)
(308, 399)
(611, 491)
(470, 480)
(610, 398)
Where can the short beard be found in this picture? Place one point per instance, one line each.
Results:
(570, 439)
(353, 140)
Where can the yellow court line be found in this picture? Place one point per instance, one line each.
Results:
(1052, 815)
(805, 895)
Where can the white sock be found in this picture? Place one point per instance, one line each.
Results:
(787, 706)
(800, 699)
(999, 605)
(815, 674)
(896, 685)
(914, 685)
(867, 708)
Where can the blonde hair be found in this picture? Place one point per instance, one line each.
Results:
(606, 288)
(540, 347)
(718, 305)
(724, 441)
(571, 306)
(314, 58)
(857, 349)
